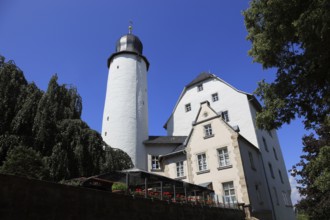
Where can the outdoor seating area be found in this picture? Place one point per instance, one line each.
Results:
(138, 183)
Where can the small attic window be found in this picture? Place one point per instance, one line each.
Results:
(200, 87)
(188, 107)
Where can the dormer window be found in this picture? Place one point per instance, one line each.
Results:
(200, 87)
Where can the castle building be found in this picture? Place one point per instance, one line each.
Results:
(212, 138)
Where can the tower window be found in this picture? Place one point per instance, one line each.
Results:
(258, 193)
(276, 196)
(117, 67)
(280, 174)
(275, 154)
(105, 133)
(265, 144)
(188, 107)
(271, 170)
(108, 118)
(200, 87)
(225, 116)
(215, 97)
(252, 161)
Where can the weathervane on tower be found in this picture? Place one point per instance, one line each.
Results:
(130, 27)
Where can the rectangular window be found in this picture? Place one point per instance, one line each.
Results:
(188, 107)
(252, 161)
(229, 192)
(215, 97)
(280, 174)
(208, 130)
(276, 196)
(271, 170)
(258, 193)
(200, 87)
(225, 116)
(275, 154)
(223, 157)
(155, 163)
(202, 165)
(179, 169)
(265, 143)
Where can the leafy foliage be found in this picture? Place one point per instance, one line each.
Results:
(294, 38)
(23, 161)
(314, 172)
(44, 131)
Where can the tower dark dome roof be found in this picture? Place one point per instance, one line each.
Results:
(129, 42)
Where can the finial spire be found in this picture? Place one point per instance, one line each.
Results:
(130, 27)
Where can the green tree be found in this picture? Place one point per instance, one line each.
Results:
(7, 142)
(56, 104)
(49, 126)
(12, 86)
(314, 174)
(26, 162)
(294, 38)
(116, 159)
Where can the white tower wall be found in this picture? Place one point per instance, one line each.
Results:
(125, 117)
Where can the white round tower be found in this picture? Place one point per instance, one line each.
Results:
(125, 116)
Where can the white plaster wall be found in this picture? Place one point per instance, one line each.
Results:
(125, 116)
(157, 150)
(236, 103)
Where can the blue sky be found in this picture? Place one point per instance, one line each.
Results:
(181, 39)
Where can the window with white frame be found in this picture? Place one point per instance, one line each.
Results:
(265, 144)
(251, 161)
(155, 163)
(179, 169)
(225, 116)
(201, 159)
(208, 130)
(215, 97)
(200, 87)
(229, 192)
(188, 107)
(223, 157)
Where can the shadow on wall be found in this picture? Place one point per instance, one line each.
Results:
(22, 198)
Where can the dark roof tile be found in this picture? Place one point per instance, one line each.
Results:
(165, 140)
(201, 77)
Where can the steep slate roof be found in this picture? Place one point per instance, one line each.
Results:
(200, 78)
(165, 140)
